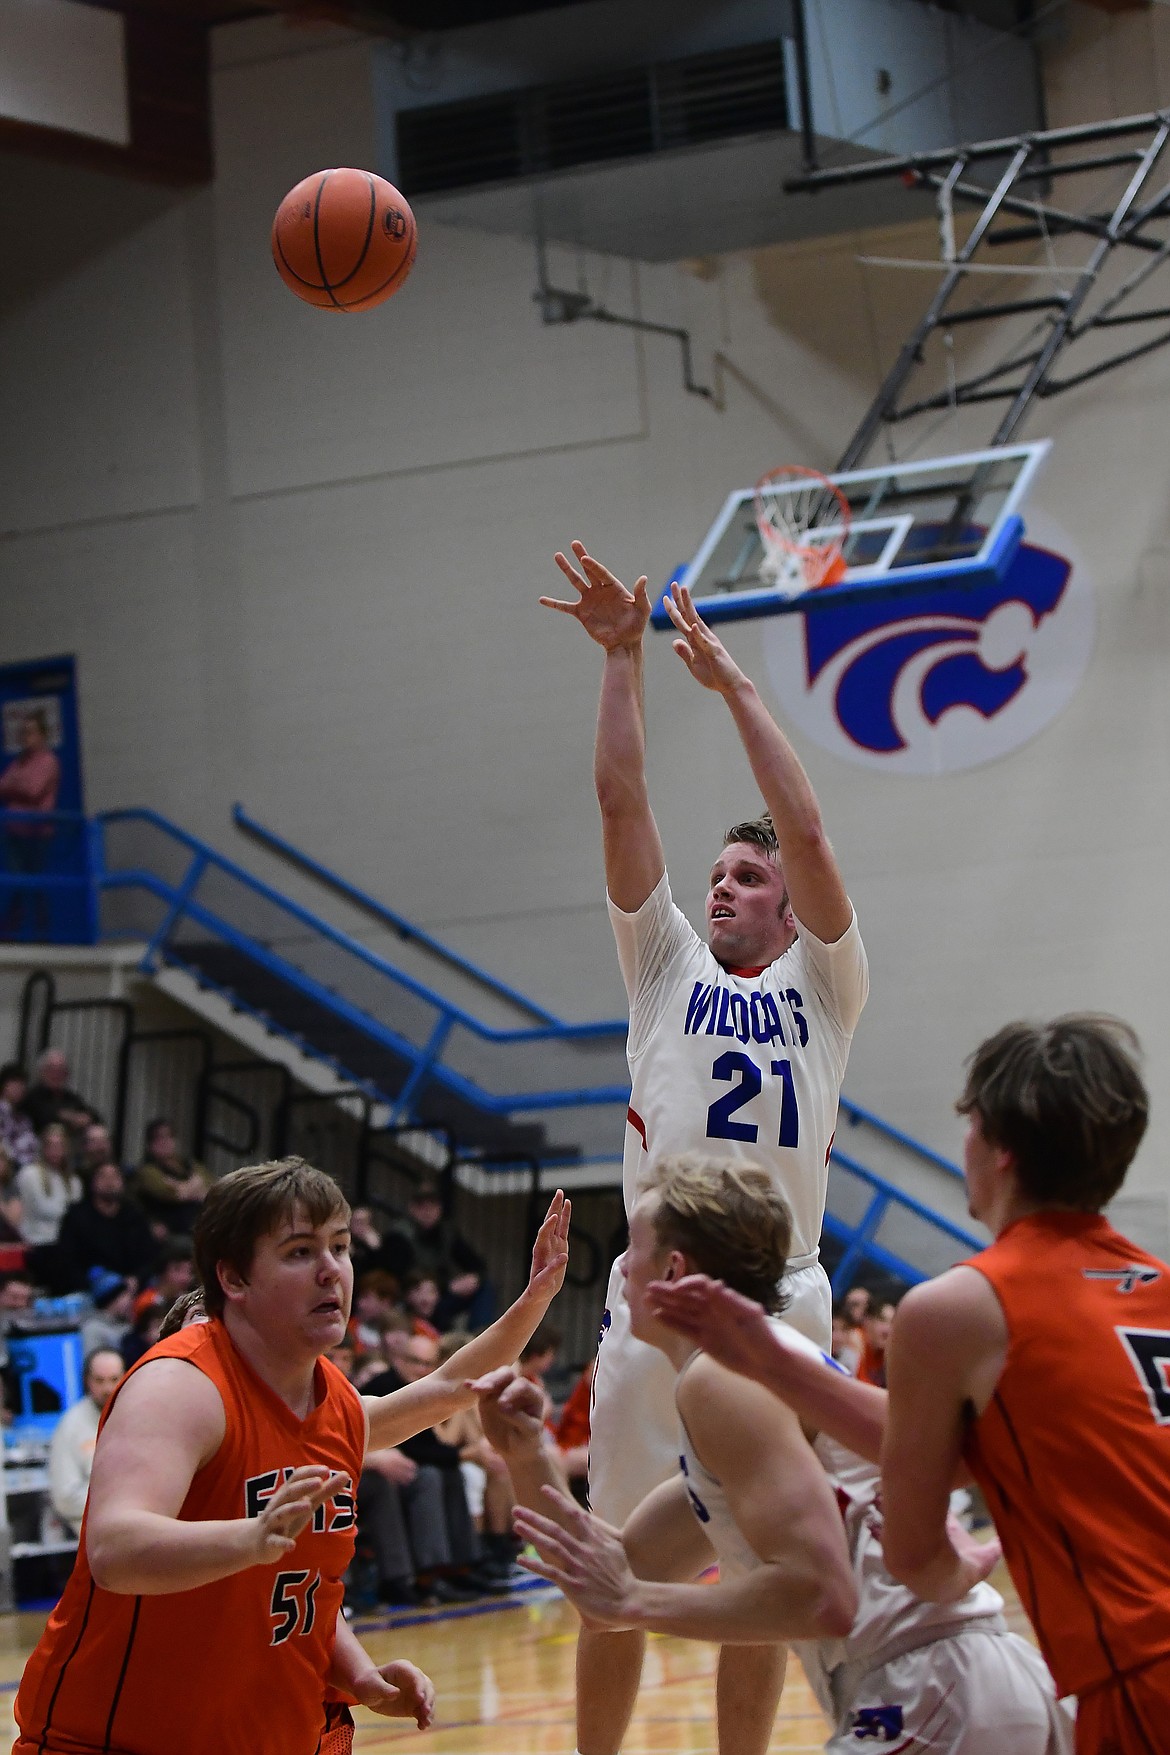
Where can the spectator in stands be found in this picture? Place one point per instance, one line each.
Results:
(16, 1294)
(540, 1355)
(848, 1340)
(18, 1136)
(365, 1244)
(104, 1229)
(879, 1319)
(437, 1249)
(573, 1432)
(486, 1480)
(50, 1099)
(113, 1311)
(9, 1201)
(145, 1330)
(169, 1187)
(46, 1189)
(175, 1275)
(401, 1526)
(375, 1300)
(29, 785)
(455, 1576)
(75, 1435)
(422, 1298)
(97, 1148)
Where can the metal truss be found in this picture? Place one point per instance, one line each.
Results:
(999, 178)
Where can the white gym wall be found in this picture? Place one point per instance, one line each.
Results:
(298, 557)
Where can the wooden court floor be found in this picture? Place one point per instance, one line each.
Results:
(504, 1683)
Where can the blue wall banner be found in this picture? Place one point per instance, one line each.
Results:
(45, 892)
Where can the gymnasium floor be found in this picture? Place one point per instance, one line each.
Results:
(504, 1683)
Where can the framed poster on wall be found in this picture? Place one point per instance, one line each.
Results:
(45, 891)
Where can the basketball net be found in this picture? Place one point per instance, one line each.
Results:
(804, 520)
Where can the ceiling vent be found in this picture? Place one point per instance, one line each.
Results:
(632, 114)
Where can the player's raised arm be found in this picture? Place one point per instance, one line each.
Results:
(815, 886)
(135, 1540)
(398, 1416)
(616, 619)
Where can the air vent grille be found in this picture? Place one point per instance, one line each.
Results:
(631, 114)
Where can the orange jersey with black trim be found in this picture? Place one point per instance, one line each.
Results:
(1073, 1450)
(238, 1667)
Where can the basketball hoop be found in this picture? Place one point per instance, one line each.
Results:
(804, 521)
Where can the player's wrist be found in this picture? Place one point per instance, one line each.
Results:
(738, 688)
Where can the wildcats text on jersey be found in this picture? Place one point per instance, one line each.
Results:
(715, 1010)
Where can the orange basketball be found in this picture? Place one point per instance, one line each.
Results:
(344, 240)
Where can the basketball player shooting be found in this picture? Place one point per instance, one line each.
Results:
(741, 1040)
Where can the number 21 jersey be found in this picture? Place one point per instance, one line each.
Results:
(743, 1063)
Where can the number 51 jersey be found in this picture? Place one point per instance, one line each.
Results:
(744, 1063)
(238, 1667)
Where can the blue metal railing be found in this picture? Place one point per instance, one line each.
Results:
(140, 875)
(861, 1241)
(855, 1115)
(279, 954)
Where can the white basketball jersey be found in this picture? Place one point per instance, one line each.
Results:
(887, 1613)
(745, 1065)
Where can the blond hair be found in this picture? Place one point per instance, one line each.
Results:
(729, 1219)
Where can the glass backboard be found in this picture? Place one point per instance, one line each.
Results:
(943, 521)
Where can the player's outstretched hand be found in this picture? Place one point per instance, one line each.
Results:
(610, 614)
(397, 1690)
(705, 656)
(550, 1252)
(289, 1511)
(512, 1411)
(584, 1556)
(733, 1329)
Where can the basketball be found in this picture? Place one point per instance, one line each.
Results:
(344, 240)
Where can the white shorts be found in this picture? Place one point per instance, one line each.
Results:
(633, 1430)
(978, 1692)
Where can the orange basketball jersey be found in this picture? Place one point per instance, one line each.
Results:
(1073, 1450)
(238, 1667)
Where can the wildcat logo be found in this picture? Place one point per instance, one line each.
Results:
(940, 681)
(877, 1724)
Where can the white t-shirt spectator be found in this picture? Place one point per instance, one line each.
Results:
(44, 1196)
(71, 1459)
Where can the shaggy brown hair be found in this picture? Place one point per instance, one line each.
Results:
(729, 1219)
(1067, 1100)
(246, 1205)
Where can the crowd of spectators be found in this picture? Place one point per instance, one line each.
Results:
(435, 1514)
(75, 1221)
(861, 1331)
